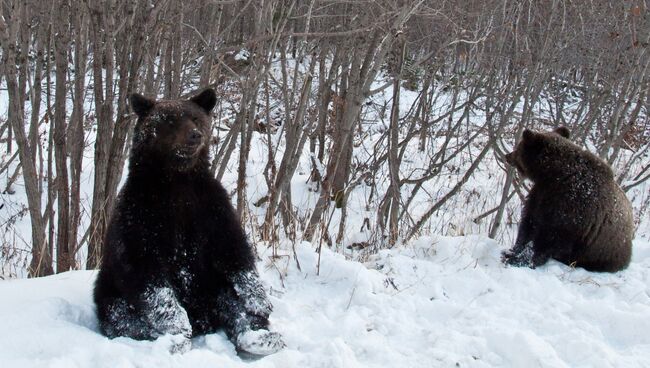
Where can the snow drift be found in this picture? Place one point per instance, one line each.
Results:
(441, 302)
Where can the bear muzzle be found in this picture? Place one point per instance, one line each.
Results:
(191, 145)
(194, 138)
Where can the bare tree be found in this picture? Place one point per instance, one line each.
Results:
(13, 20)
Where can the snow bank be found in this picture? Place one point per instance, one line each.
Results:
(442, 302)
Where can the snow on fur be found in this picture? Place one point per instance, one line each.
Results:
(249, 289)
(444, 301)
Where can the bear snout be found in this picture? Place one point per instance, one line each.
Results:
(194, 138)
(189, 143)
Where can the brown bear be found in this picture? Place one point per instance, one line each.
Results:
(575, 212)
(175, 259)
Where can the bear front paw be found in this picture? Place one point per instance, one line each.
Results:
(506, 256)
(523, 258)
(258, 343)
(513, 259)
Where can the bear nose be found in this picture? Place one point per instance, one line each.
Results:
(194, 137)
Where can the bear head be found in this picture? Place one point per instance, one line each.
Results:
(540, 154)
(172, 134)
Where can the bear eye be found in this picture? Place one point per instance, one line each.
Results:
(197, 121)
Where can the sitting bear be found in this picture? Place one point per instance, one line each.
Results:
(175, 258)
(575, 212)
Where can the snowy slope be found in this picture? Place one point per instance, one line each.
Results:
(442, 302)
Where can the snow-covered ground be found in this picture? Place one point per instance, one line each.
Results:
(441, 302)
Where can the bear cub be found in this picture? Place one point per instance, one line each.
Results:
(575, 212)
(175, 258)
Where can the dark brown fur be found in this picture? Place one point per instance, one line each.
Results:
(575, 212)
(175, 259)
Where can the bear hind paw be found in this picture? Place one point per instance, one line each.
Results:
(258, 343)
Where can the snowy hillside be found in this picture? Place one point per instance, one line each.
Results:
(445, 302)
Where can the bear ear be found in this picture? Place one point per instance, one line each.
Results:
(563, 131)
(206, 100)
(528, 135)
(140, 104)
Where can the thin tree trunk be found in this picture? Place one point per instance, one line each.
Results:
(393, 162)
(76, 142)
(61, 44)
(102, 42)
